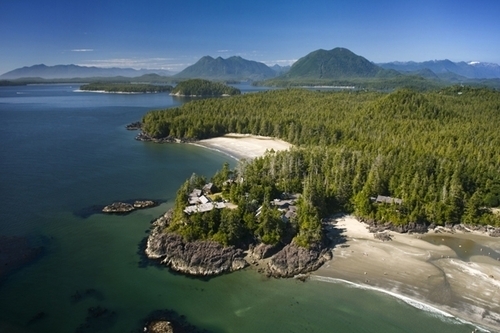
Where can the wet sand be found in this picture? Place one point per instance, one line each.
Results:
(431, 273)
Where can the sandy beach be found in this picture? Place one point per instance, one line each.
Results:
(240, 146)
(431, 275)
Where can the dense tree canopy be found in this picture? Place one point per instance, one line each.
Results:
(437, 151)
(125, 87)
(199, 87)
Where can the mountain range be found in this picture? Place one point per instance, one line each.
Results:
(336, 64)
(470, 70)
(75, 71)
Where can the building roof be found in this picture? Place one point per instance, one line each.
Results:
(389, 200)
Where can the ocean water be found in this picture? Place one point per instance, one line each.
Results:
(63, 153)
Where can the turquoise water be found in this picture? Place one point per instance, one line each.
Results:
(63, 152)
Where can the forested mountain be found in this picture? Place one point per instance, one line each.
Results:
(199, 87)
(470, 70)
(436, 151)
(339, 63)
(280, 69)
(233, 68)
(74, 71)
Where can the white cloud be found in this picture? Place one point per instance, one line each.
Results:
(82, 50)
(223, 51)
(281, 62)
(170, 64)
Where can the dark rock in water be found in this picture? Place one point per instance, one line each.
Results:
(199, 258)
(167, 321)
(16, 251)
(80, 295)
(98, 319)
(293, 260)
(36, 318)
(139, 204)
(134, 126)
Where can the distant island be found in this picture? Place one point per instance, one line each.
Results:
(203, 88)
(125, 87)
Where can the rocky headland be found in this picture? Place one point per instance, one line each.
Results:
(137, 125)
(208, 258)
(142, 136)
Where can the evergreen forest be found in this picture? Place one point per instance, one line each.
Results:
(125, 87)
(200, 87)
(437, 151)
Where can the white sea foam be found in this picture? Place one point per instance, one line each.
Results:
(410, 301)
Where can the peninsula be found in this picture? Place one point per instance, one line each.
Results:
(405, 162)
(125, 87)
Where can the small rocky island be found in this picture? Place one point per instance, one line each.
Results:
(125, 207)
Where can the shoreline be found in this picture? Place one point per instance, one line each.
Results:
(425, 275)
(243, 146)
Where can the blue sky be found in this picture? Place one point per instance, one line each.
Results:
(174, 34)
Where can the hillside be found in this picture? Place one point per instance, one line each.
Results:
(233, 68)
(201, 88)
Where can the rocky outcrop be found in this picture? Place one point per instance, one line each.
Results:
(160, 326)
(142, 136)
(412, 227)
(167, 321)
(383, 236)
(262, 251)
(205, 258)
(294, 260)
(379, 227)
(134, 126)
(124, 207)
(453, 228)
(118, 208)
(140, 204)
(201, 258)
